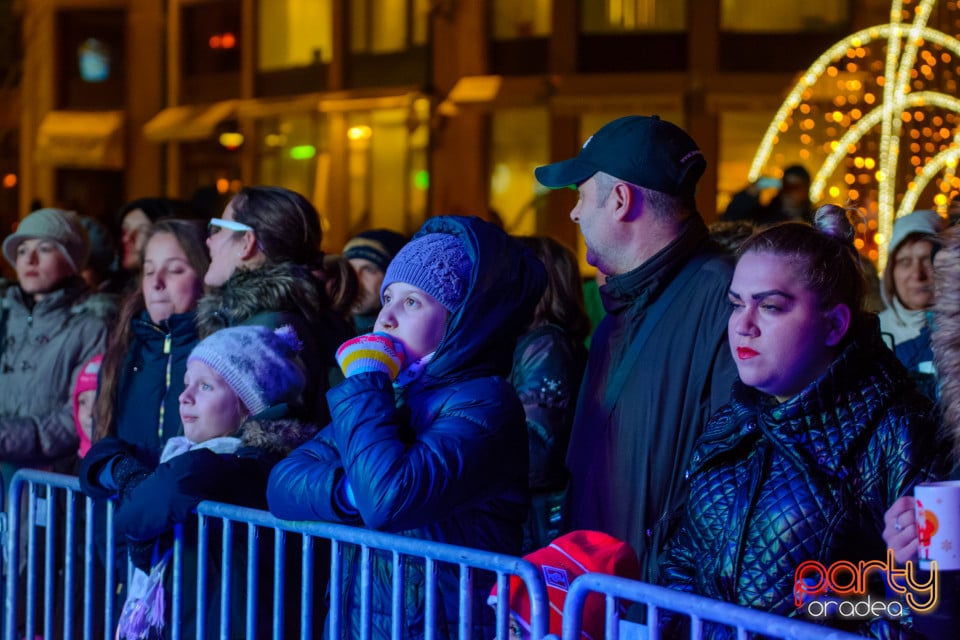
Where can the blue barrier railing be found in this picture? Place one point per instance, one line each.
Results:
(402, 549)
(699, 610)
(53, 502)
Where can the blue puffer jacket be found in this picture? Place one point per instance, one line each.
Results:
(151, 381)
(774, 485)
(444, 458)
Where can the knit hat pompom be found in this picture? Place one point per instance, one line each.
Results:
(435, 262)
(56, 225)
(259, 364)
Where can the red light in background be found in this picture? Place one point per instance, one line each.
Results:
(10, 181)
(228, 40)
(215, 42)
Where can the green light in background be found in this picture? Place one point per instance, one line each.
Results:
(303, 152)
(421, 179)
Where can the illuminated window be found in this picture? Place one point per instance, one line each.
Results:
(512, 19)
(293, 33)
(288, 148)
(616, 16)
(384, 26)
(387, 167)
(757, 16)
(519, 142)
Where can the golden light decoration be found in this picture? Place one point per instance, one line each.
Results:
(902, 100)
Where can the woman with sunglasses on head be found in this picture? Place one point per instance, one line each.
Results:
(266, 269)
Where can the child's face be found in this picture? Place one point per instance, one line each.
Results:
(412, 317)
(208, 406)
(85, 400)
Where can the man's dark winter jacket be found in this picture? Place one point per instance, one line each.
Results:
(151, 381)
(628, 452)
(278, 295)
(445, 461)
(774, 485)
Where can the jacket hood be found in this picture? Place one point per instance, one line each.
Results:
(281, 287)
(506, 283)
(280, 436)
(75, 295)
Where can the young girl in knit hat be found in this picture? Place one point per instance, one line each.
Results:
(427, 437)
(84, 397)
(241, 386)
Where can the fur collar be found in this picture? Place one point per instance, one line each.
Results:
(283, 287)
(276, 436)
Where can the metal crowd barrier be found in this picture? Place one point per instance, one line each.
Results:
(699, 610)
(54, 503)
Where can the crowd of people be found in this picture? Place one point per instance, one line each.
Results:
(741, 410)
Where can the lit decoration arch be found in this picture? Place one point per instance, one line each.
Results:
(902, 91)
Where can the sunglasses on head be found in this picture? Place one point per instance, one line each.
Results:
(216, 224)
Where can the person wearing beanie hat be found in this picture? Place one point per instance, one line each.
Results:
(369, 253)
(51, 324)
(84, 396)
(62, 229)
(425, 413)
(563, 561)
(908, 293)
(237, 405)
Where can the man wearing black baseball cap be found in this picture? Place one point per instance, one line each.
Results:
(659, 362)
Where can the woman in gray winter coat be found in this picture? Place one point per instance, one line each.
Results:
(50, 325)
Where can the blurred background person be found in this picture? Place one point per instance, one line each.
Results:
(142, 371)
(50, 325)
(369, 254)
(792, 201)
(266, 269)
(134, 220)
(908, 293)
(547, 370)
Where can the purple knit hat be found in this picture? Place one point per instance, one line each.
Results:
(435, 262)
(260, 365)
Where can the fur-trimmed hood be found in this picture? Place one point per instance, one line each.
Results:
(279, 436)
(278, 288)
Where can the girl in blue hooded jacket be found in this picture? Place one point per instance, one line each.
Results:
(427, 437)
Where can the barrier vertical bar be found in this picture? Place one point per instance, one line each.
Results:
(176, 598)
(366, 614)
(89, 550)
(68, 569)
(503, 605)
(49, 542)
(336, 588)
(396, 597)
(202, 552)
(13, 558)
(466, 601)
(306, 586)
(110, 576)
(430, 621)
(31, 561)
(253, 558)
(279, 546)
(226, 577)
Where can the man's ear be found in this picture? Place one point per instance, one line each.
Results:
(838, 323)
(623, 198)
(248, 245)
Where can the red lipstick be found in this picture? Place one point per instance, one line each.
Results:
(745, 353)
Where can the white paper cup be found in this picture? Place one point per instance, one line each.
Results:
(938, 523)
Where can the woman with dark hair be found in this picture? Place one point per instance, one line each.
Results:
(266, 269)
(824, 430)
(548, 365)
(142, 371)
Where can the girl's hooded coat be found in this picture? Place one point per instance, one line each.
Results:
(444, 458)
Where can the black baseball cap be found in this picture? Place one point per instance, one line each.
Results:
(643, 150)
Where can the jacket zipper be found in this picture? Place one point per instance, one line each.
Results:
(163, 403)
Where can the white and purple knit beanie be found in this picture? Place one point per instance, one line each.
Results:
(259, 364)
(435, 262)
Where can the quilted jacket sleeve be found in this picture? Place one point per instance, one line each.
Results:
(303, 485)
(405, 476)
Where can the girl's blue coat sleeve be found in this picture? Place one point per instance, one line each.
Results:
(407, 467)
